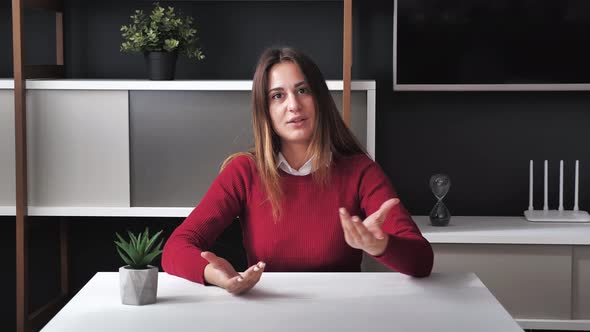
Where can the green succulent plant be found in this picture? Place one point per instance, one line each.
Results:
(162, 30)
(140, 250)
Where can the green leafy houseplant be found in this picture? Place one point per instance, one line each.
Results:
(162, 31)
(140, 250)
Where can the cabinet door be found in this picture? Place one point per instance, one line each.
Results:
(7, 161)
(179, 139)
(358, 113)
(531, 281)
(78, 148)
(581, 282)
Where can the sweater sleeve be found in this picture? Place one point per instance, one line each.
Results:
(222, 203)
(407, 251)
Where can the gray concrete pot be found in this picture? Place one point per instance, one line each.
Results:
(138, 287)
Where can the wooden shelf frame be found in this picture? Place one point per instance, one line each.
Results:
(347, 61)
(25, 320)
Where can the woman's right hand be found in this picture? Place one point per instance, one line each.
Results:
(220, 272)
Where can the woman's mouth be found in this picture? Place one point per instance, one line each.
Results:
(297, 123)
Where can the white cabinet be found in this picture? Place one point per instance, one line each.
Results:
(530, 281)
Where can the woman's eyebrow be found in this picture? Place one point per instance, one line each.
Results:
(280, 88)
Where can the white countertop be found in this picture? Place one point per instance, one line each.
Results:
(504, 230)
(144, 84)
(294, 302)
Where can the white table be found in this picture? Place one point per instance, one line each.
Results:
(294, 302)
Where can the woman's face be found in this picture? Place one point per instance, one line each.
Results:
(291, 104)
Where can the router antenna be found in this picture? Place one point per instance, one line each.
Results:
(576, 208)
(531, 186)
(545, 187)
(560, 208)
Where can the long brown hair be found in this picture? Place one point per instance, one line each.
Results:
(330, 139)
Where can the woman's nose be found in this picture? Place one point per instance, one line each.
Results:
(293, 103)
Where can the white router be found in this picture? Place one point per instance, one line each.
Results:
(560, 215)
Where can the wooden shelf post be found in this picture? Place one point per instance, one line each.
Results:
(347, 61)
(24, 320)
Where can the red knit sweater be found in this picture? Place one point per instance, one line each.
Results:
(309, 235)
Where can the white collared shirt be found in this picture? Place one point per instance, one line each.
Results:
(303, 171)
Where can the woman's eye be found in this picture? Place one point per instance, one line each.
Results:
(303, 90)
(276, 96)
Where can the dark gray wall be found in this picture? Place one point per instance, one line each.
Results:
(8, 278)
(38, 38)
(483, 140)
(5, 39)
(232, 35)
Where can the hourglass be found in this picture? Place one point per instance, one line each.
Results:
(440, 185)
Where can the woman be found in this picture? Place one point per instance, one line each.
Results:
(308, 197)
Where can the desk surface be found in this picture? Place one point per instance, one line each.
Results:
(294, 302)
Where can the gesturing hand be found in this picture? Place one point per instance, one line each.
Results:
(367, 235)
(221, 273)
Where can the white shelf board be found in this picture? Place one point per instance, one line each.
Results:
(71, 211)
(178, 85)
(503, 230)
(461, 229)
(7, 211)
(6, 83)
(67, 211)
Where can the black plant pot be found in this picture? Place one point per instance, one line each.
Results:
(161, 65)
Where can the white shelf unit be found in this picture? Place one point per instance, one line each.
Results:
(80, 131)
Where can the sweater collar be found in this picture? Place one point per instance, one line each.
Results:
(303, 171)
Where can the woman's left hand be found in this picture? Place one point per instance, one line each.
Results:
(367, 235)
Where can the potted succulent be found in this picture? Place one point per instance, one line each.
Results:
(138, 279)
(160, 36)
